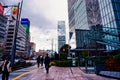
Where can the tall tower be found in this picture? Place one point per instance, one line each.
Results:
(26, 24)
(71, 16)
(61, 34)
(83, 15)
(110, 13)
(3, 29)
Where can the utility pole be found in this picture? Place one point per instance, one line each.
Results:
(13, 53)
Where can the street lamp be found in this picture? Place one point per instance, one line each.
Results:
(52, 42)
(19, 6)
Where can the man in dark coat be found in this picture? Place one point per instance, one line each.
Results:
(38, 61)
(47, 63)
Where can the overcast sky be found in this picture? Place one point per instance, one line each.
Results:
(43, 15)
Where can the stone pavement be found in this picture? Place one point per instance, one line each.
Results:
(55, 73)
(61, 73)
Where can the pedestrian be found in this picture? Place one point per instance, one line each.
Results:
(6, 68)
(41, 60)
(38, 61)
(47, 63)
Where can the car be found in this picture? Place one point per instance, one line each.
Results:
(19, 60)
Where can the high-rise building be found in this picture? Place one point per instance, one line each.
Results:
(32, 49)
(61, 34)
(83, 15)
(20, 40)
(3, 29)
(26, 24)
(95, 15)
(110, 14)
(71, 13)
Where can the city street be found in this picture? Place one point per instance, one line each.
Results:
(55, 73)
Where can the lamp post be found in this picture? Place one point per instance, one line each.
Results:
(13, 52)
(52, 42)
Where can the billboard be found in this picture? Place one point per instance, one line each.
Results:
(15, 10)
(26, 24)
(1, 9)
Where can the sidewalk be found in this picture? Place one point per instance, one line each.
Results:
(55, 73)
(62, 73)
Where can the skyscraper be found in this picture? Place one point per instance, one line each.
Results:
(3, 31)
(20, 41)
(71, 16)
(26, 24)
(61, 34)
(110, 14)
(83, 15)
(97, 15)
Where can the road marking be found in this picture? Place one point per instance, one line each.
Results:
(23, 74)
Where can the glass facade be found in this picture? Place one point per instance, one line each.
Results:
(110, 13)
(93, 13)
(71, 16)
(87, 14)
(3, 29)
(81, 21)
(61, 34)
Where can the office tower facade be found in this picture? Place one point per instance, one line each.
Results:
(71, 16)
(25, 22)
(61, 34)
(85, 15)
(32, 49)
(110, 13)
(20, 40)
(95, 15)
(3, 29)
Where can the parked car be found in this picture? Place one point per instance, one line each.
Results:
(19, 60)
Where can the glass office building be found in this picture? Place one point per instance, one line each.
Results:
(71, 16)
(83, 14)
(87, 14)
(110, 13)
(61, 34)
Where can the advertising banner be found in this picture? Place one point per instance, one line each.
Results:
(1, 9)
(26, 24)
(15, 10)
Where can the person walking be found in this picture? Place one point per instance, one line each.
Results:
(38, 61)
(41, 60)
(47, 62)
(6, 68)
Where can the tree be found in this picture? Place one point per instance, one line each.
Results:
(65, 48)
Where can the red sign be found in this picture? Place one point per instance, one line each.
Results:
(1, 9)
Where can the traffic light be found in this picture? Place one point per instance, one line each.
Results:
(63, 50)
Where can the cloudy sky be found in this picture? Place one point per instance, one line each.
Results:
(43, 15)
